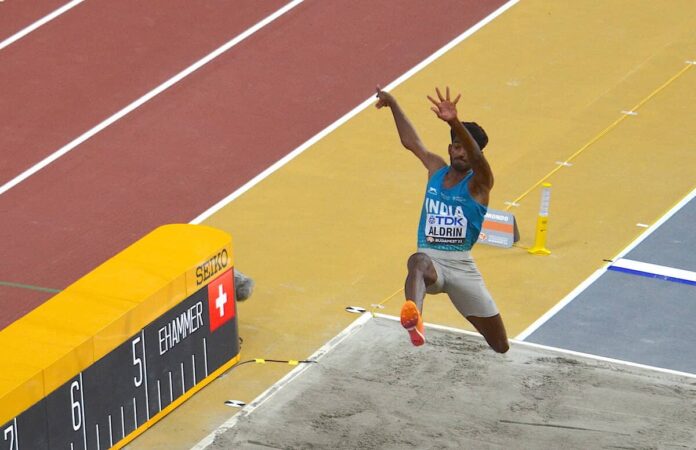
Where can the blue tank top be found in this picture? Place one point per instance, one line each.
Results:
(451, 219)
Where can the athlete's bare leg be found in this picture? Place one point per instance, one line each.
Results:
(493, 329)
(421, 274)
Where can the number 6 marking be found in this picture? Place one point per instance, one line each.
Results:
(76, 408)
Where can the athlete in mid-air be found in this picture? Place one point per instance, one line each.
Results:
(456, 200)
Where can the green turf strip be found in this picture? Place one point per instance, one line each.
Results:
(28, 286)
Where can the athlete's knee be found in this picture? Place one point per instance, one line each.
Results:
(418, 262)
(500, 345)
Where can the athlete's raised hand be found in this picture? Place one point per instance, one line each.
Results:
(385, 98)
(445, 108)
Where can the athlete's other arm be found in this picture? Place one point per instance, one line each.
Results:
(482, 180)
(407, 134)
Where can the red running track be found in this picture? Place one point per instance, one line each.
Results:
(15, 15)
(90, 62)
(205, 137)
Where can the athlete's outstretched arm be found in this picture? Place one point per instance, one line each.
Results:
(407, 133)
(446, 110)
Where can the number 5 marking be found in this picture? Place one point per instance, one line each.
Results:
(138, 362)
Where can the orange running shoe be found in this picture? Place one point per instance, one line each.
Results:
(413, 322)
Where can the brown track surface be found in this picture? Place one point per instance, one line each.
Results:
(16, 15)
(63, 83)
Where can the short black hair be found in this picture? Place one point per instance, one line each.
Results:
(476, 131)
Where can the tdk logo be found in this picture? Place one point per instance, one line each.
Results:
(446, 221)
(432, 190)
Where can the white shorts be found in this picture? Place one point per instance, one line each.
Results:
(459, 278)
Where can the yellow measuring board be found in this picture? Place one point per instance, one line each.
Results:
(117, 350)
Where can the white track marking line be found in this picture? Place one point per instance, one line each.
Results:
(294, 373)
(690, 196)
(655, 269)
(20, 34)
(553, 349)
(145, 98)
(349, 115)
(592, 278)
(560, 305)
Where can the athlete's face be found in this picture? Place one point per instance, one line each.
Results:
(458, 157)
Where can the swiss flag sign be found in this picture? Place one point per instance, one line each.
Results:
(221, 306)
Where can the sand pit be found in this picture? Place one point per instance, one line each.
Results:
(374, 390)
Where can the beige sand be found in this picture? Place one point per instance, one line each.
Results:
(374, 390)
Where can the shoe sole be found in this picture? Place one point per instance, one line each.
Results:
(409, 320)
(417, 338)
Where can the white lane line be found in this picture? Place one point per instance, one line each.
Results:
(371, 100)
(560, 305)
(145, 98)
(294, 373)
(592, 278)
(553, 349)
(20, 34)
(655, 270)
(668, 215)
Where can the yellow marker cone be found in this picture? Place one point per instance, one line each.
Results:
(539, 247)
